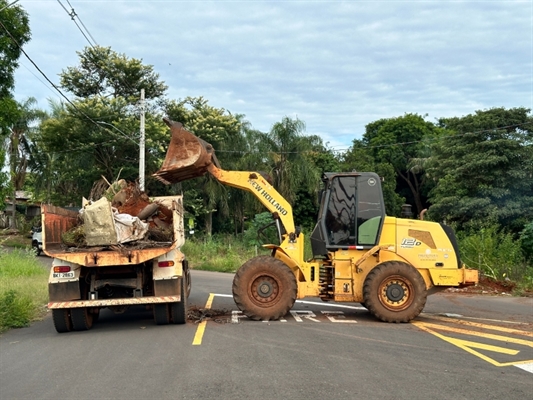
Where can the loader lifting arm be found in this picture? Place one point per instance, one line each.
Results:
(189, 156)
(260, 188)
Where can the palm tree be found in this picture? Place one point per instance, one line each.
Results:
(286, 150)
(17, 145)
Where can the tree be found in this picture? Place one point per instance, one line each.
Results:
(103, 72)
(218, 127)
(285, 149)
(14, 33)
(97, 134)
(98, 137)
(359, 158)
(401, 142)
(17, 143)
(484, 169)
(306, 204)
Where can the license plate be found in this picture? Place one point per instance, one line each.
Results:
(63, 275)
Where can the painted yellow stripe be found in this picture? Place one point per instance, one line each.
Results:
(484, 326)
(474, 333)
(469, 346)
(201, 327)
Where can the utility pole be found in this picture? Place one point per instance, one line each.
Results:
(141, 146)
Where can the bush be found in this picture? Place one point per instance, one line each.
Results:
(495, 253)
(16, 311)
(257, 235)
(526, 241)
(23, 289)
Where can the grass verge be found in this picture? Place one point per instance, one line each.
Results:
(23, 288)
(221, 254)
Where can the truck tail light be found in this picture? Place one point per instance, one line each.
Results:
(64, 268)
(163, 264)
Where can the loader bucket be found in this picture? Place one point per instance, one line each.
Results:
(187, 156)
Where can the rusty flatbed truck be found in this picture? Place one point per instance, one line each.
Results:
(82, 281)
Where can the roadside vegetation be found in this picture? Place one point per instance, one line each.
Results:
(23, 288)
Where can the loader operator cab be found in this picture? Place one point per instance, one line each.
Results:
(351, 213)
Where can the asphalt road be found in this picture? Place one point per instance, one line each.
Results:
(461, 347)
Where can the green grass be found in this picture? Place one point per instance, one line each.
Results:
(222, 254)
(14, 240)
(23, 288)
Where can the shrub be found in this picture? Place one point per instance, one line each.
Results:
(257, 235)
(16, 311)
(526, 241)
(495, 253)
(23, 288)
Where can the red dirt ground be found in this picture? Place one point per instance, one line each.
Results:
(490, 286)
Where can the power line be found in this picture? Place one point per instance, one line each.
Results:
(73, 17)
(384, 145)
(52, 83)
(81, 22)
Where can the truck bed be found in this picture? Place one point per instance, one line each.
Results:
(57, 220)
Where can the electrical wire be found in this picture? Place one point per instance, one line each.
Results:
(53, 84)
(73, 16)
(81, 22)
(385, 145)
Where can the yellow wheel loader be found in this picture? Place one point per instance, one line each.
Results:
(387, 264)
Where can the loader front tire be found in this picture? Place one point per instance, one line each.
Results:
(394, 292)
(264, 288)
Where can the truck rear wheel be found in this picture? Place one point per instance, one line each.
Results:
(161, 314)
(394, 292)
(82, 319)
(178, 311)
(62, 321)
(264, 288)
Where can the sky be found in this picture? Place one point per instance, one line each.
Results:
(335, 65)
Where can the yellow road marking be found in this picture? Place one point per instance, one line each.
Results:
(201, 327)
(475, 333)
(478, 325)
(469, 346)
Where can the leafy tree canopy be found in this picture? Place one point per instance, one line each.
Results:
(359, 158)
(14, 33)
(484, 170)
(103, 72)
(221, 129)
(401, 142)
(106, 145)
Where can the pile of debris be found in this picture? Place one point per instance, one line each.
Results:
(220, 316)
(122, 216)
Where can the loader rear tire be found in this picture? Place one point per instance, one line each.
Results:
(82, 320)
(264, 288)
(394, 292)
(62, 321)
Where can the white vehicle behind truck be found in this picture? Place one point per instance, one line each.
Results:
(85, 280)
